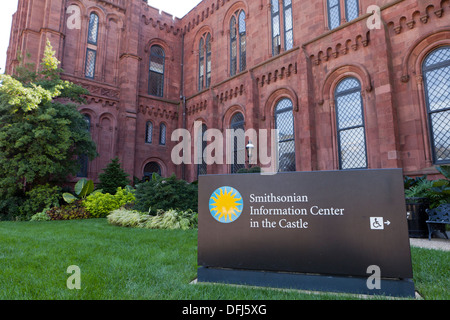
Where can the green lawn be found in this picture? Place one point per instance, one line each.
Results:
(122, 263)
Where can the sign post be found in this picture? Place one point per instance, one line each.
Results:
(341, 231)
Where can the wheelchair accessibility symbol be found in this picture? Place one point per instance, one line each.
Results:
(377, 223)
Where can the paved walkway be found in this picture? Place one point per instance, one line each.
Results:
(434, 243)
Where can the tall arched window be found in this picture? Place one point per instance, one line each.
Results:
(91, 51)
(238, 152)
(156, 72)
(350, 125)
(284, 123)
(204, 62)
(93, 29)
(162, 134)
(202, 167)
(238, 42)
(149, 132)
(436, 74)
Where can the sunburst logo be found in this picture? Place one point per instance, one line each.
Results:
(226, 204)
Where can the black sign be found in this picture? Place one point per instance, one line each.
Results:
(336, 223)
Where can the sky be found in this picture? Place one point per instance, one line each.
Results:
(178, 8)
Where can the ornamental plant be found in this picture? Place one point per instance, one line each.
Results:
(41, 131)
(113, 177)
(83, 188)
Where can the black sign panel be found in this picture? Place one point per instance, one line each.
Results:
(326, 222)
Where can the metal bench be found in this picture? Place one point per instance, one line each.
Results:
(438, 218)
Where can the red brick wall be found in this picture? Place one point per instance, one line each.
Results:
(386, 61)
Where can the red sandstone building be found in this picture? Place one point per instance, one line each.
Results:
(345, 91)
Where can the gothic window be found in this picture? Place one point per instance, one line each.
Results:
(284, 123)
(238, 136)
(156, 72)
(238, 43)
(436, 74)
(149, 132)
(162, 134)
(350, 125)
(91, 51)
(204, 62)
(201, 164)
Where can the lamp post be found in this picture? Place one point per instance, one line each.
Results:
(249, 148)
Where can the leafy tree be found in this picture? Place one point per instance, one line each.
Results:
(41, 131)
(113, 177)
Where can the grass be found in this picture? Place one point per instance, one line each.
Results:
(122, 263)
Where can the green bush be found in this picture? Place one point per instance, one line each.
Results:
(113, 177)
(72, 211)
(171, 219)
(39, 198)
(99, 205)
(165, 194)
(436, 191)
(41, 216)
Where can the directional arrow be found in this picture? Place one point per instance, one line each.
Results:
(387, 222)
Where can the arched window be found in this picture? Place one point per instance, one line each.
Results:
(238, 42)
(91, 51)
(149, 132)
(150, 168)
(93, 29)
(156, 72)
(162, 134)
(238, 136)
(201, 164)
(204, 62)
(436, 75)
(284, 123)
(350, 125)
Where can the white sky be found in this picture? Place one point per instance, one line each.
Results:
(7, 8)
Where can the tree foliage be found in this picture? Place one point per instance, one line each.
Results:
(41, 131)
(113, 177)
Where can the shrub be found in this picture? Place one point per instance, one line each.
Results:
(41, 216)
(113, 177)
(99, 205)
(71, 211)
(171, 219)
(39, 198)
(165, 194)
(10, 208)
